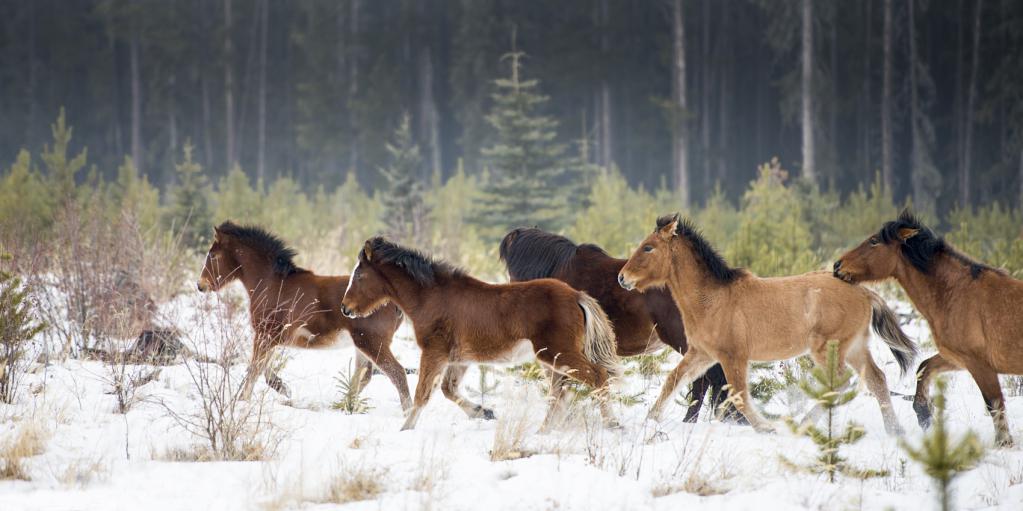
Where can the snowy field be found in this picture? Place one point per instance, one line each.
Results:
(94, 458)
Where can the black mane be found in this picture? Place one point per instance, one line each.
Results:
(531, 253)
(262, 241)
(705, 253)
(423, 269)
(924, 247)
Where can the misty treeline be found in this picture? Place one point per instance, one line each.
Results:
(690, 94)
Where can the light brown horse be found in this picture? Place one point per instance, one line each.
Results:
(973, 309)
(733, 316)
(460, 320)
(290, 306)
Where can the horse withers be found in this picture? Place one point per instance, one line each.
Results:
(460, 320)
(643, 322)
(291, 306)
(733, 317)
(973, 309)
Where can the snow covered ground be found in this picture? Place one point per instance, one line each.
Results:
(97, 459)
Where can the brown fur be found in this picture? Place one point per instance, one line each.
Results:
(733, 316)
(973, 310)
(460, 320)
(289, 306)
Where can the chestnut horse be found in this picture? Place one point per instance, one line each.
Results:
(733, 316)
(460, 320)
(643, 322)
(290, 306)
(972, 309)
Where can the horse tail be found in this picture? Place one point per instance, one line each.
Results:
(887, 326)
(599, 344)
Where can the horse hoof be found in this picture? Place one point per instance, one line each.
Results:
(613, 424)
(657, 436)
(488, 414)
(1004, 442)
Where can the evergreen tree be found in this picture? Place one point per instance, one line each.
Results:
(17, 328)
(190, 210)
(62, 171)
(528, 166)
(826, 389)
(404, 209)
(941, 457)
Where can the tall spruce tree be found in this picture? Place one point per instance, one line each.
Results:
(404, 208)
(190, 210)
(527, 164)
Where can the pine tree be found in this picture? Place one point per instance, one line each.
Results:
(943, 459)
(17, 328)
(62, 171)
(190, 209)
(527, 164)
(826, 389)
(404, 208)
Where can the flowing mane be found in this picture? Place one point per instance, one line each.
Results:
(924, 247)
(422, 268)
(532, 253)
(703, 250)
(265, 244)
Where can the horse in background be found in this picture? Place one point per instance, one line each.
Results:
(460, 320)
(973, 309)
(643, 322)
(733, 317)
(291, 306)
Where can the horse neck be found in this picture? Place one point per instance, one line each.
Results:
(409, 295)
(928, 292)
(257, 276)
(689, 282)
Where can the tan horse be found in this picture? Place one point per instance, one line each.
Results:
(460, 320)
(973, 309)
(733, 317)
(291, 306)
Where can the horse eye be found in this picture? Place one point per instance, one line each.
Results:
(874, 242)
(648, 248)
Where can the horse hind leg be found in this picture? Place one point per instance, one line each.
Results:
(925, 373)
(576, 366)
(449, 385)
(558, 398)
(877, 384)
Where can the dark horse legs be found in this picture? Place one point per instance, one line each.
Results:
(714, 381)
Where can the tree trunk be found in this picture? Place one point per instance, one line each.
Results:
(429, 123)
(708, 66)
(809, 151)
(605, 92)
(726, 66)
(228, 88)
(886, 102)
(866, 103)
(136, 97)
(354, 46)
(1020, 204)
(680, 145)
(833, 159)
(30, 132)
(965, 169)
(261, 136)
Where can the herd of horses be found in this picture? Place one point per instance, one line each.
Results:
(577, 310)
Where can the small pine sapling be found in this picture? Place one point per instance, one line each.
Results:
(17, 328)
(943, 458)
(485, 387)
(349, 385)
(825, 386)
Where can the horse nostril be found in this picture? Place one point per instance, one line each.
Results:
(838, 264)
(621, 280)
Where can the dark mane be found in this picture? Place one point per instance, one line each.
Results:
(705, 253)
(531, 253)
(423, 269)
(924, 247)
(266, 244)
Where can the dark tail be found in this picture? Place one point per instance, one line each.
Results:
(887, 326)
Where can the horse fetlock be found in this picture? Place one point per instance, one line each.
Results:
(923, 413)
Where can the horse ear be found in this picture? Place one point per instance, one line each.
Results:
(367, 251)
(216, 233)
(671, 228)
(907, 232)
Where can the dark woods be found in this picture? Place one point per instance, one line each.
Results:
(925, 94)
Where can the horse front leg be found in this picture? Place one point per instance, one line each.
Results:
(431, 368)
(261, 349)
(375, 349)
(737, 373)
(991, 389)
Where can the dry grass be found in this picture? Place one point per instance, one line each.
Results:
(29, 440)
(355, 483)
(512, 428)
(83, 472)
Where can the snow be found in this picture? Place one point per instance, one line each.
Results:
(98, 459)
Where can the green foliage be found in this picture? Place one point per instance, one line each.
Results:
(528, 165)
(826, 387)
(62, 171)
(863, 212)
(189, 209)
(134, 194)
(402, 196)
(773, 237)
(648, 365)
(17, 328)
(991, 234)
(26, 205)
(349, 385)
(618, 216)
(942, 457)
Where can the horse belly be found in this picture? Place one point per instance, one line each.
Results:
(304, 338)
(520, 353)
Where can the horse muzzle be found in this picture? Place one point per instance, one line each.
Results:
(625, 283)
(349, 313)
(839, 274)
(203, 285)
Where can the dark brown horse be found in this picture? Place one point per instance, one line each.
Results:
(973, 309)
(643, 322)
(460, 320)
(290, 306)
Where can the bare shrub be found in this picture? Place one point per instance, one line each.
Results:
(82, 472)
(231, 428)
(28, 440)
